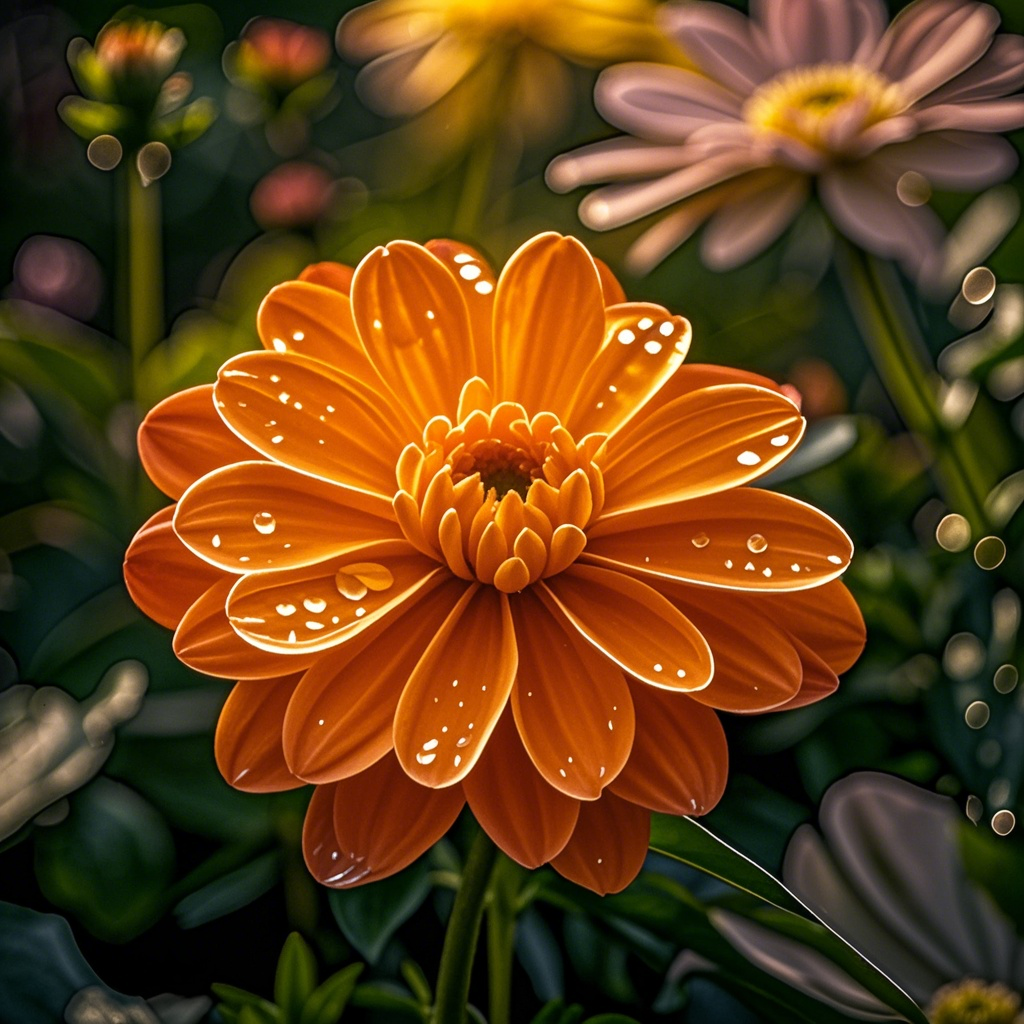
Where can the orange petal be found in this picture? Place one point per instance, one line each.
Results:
(260, 515)
(206, 642)
(414, 325)
(305, 414)
(457, 691)
(163, 577)
(643, 347)
(247, 743)
(315, 320)
(633, 625)
(703, 442)
(183, 438)
(548, 302)
(341, 718)
(613, 292)
(528, 819)
(571, 703)
(608, 846)
(818, 681)
(680, 759)
(476, 280)
(757, 667)
(331, 275)
(694, 376)
(741, 539)
(372, 825)
(314, 607)
(825, 619)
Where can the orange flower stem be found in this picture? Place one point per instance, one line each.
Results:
(141, 300)
(501, 934)
(903, 364)
(460, 940)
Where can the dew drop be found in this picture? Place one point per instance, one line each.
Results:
(470, 273)
(756, 543)
(835, 559)
(766, 573)
(780, 441)
(348, 586)
(681, 673)
(458, 760)
(264, 522)
(667, 329)
(462, 741)
(1005, 678)
(425, 758)
(298, 335)
(430, 744)
(279, 345)
(216, 540)
(277, 439)
(701, 540)
(652, 347)
(977, 714)
(286, 609)
(483, 287)
(314, 605)
(1003, 822)
(314, 625)
(645, 323)
(989, 552)
(626, 336)
(748, 458)
(657, 667)
(728, 563)
(749, 567)
(463, 257)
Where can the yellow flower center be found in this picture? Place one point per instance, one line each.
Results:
(806, 101)
(974, 1002)
(499, 497)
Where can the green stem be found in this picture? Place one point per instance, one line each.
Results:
(463, 930)
(501, 934)
(142, 302)
(903, 364)
(476, 187)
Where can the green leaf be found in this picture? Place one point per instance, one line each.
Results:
(685, 840)
(89, 118)
(328, 1002)
(186, 124)
(110, 862)
(369, 915)
(252, 1013)
(295, 978)
(556, 1012)
(382, 995)
(230, 892)
(417, 981)
(235, 998)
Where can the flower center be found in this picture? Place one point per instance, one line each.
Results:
(974, 1002)
(805, 102)
(499, 497)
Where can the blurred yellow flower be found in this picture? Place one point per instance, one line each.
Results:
(497, 62)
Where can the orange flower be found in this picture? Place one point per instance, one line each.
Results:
(466, 540)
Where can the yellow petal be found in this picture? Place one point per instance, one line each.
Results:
(414, 325)
(644, 345)
(705, 441)
(253, 516)
(571, 704)
(633, 625)
(309, 608)
(549, 306)
(457, 691)
(742, 539)
(341, 717)
(305, 414)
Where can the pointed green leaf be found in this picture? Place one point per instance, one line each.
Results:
(295, 979)
(382, 995)
(89, 118)
(370, 915)
(328, 1002)
(186, 124)
(417, 981)
(686, 840)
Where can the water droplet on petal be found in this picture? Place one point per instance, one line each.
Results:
(264, 522)
(780, 441)
(430, 744)
(701, 540)
(425, 758)
(748, 458)
(216, 540)
(286, 609)
(756, 543)
(314, 604)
